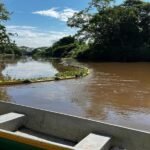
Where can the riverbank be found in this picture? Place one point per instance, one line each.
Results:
(76, 72)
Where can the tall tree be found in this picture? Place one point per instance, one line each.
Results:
(6, 45)
(117, 32)
(4, 38)
(4, 14)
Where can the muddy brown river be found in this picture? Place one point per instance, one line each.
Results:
(117, 93)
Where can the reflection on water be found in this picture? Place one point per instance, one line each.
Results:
(3, 95)
(28, 69)
(114, 92)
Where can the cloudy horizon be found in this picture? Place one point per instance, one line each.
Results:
(32, 37)
(42, 24)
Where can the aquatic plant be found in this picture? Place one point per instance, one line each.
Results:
(76, 73)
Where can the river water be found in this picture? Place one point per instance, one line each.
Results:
(117, 93)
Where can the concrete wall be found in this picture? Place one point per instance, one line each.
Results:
(75, 128)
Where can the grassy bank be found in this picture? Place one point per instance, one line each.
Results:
(77, 72)
(72, 73)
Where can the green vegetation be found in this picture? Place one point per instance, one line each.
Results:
(62, 48)
(40, 51)
(65, 72)
(6, 45)
(75, 72)
(114, 33)
(65, 47)
(107, 32)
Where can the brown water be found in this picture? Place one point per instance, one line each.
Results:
(118, 93)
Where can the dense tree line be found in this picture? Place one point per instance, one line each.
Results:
(114, 32)
(107, 32)
(67, 46)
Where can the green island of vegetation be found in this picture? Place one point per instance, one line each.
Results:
(66, 72)
(106, 32)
